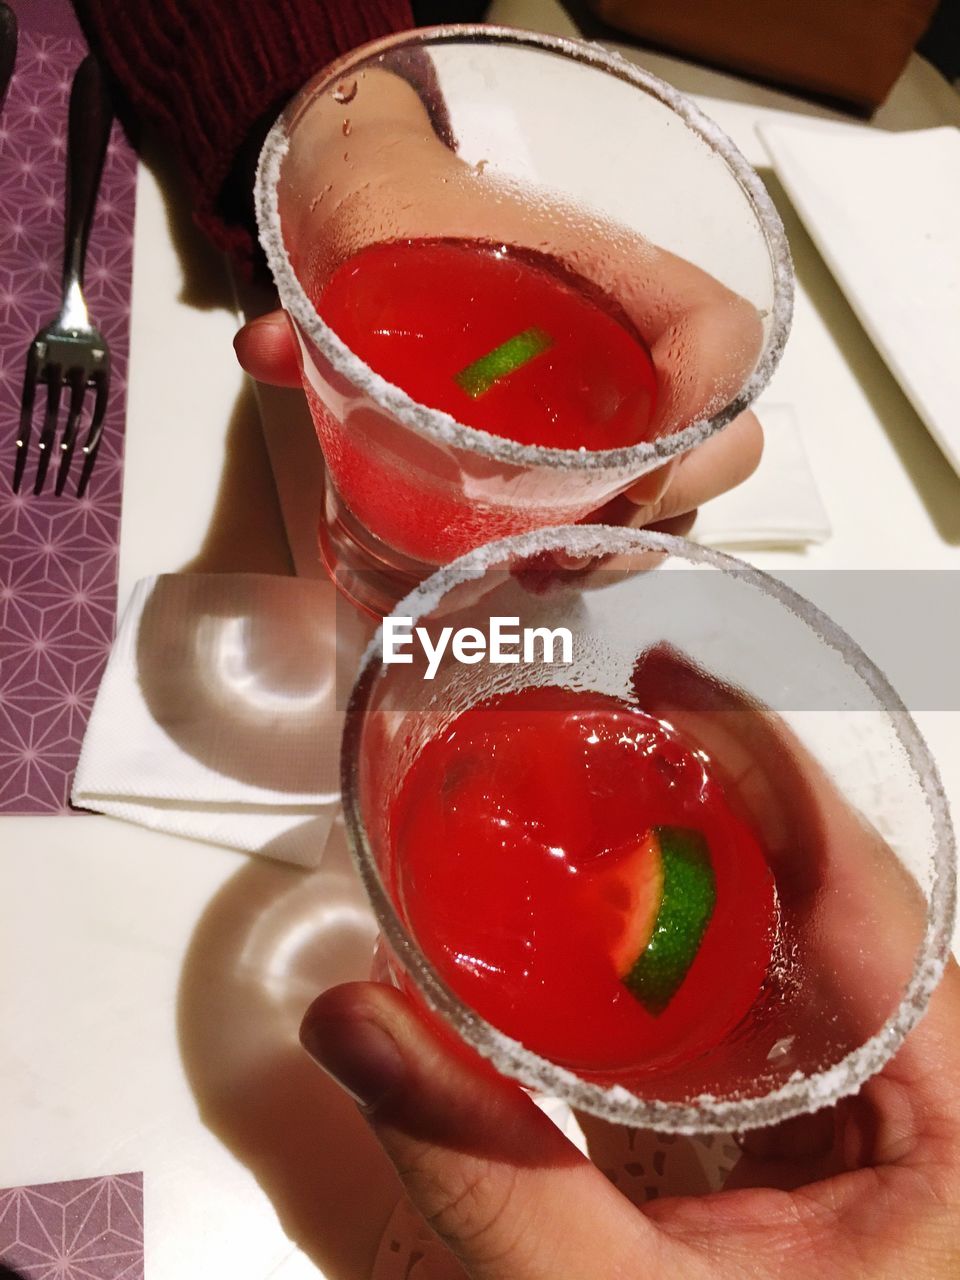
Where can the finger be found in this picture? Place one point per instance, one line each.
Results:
(676, 526)
(789, 1155)
(910, 1102)
(904, 1116)
(267, 350)
(491, 1174)
(703, 359)
(720, 463)
(666, 500)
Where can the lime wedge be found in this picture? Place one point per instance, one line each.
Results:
(688, 901)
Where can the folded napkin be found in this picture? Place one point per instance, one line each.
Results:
(881, 208)
(780, 505)
(219, 713)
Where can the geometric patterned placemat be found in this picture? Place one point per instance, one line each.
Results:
(58, 556)
(88, 1229)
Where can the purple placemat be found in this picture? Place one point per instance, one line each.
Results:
(90, 1229)
(58, 556)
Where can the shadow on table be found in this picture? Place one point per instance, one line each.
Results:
(206, 283)
(246, 533)
(250, 677)
(267, 944)
(930, 473)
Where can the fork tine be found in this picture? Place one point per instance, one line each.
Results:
(91, 446)
(49, 432)
(26, 417)
(78, 386)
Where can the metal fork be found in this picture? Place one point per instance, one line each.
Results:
(9, 34)
(70, 353)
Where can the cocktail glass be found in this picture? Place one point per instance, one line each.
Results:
(545, 145)
(811, 744)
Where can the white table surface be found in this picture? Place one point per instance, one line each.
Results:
(151, 986)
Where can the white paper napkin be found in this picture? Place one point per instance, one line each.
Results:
(882, 208)
(780, 505)
(219, 713)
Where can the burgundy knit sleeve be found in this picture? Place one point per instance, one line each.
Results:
(207, 76)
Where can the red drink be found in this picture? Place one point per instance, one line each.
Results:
(503, 341)
(578, 876)
(572, 372)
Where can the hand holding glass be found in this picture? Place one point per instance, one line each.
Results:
(561, 162)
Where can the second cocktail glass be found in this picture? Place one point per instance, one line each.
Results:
(538, 148)
(489, 884)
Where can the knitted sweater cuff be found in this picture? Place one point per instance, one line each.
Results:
(208, 76)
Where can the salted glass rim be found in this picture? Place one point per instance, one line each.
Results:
(706, 1113)
(441, 427)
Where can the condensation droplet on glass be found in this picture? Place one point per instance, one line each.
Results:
(481, 165)
(781, 1047)
(345, 91)
(346, 128)
(346, 155)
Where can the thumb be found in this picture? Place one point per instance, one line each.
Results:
(491, 1174)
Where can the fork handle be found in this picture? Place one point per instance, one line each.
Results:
(8, 47)
(89, 131)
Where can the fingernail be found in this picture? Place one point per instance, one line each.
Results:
(357, 1052)
(268, 321)
(566, 561)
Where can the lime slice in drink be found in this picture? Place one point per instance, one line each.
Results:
(672, 894)
(477, 378)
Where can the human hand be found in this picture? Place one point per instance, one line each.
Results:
(868, 1188)
(703, 337)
